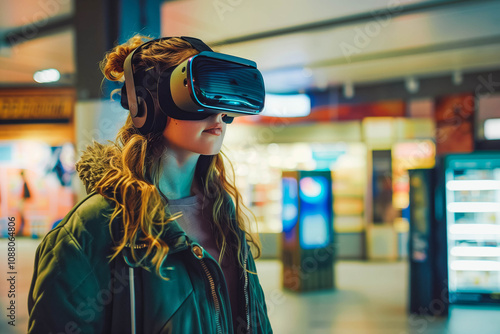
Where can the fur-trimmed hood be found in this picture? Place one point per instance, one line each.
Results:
(94, 163)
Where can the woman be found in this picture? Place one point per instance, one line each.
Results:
(120, 262)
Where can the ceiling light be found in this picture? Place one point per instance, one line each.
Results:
(321, 81)
(45, 76)
(457, 78)
(348, 90)
(297, 105)
(412, 85)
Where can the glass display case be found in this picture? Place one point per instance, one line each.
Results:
(472, 188)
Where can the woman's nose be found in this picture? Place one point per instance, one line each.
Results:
(220, 116)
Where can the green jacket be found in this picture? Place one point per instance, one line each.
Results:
(75, 290)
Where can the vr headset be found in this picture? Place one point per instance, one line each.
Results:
(205, 84)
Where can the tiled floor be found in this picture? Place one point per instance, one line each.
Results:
(370, 299)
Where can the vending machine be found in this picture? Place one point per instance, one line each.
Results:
(428, 288)
(470, 184)
(307, 237)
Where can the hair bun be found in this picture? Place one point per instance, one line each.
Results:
(112, 64)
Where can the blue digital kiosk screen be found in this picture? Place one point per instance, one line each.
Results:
(290, 203)
(315, 212)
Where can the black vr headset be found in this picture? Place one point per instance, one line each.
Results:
(205, 84)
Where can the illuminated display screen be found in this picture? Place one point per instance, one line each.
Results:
(290, 203)
(315, 212)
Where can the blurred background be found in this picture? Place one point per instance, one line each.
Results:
(374, 172)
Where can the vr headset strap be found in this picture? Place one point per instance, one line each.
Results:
(129, 70)
(130, 85)
(197, 43)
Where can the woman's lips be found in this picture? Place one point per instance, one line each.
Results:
(216, 132)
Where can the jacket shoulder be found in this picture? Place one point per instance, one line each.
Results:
(71, 265)
(86, 226)
(91, 215)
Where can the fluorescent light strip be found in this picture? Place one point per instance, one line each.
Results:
(473, 207)
(475, 265)
(471, 229)
(48, 75)
(468, 185)
(475, 251)
(297, 105)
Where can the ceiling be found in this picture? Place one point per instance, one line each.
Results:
(20, 61)
(298, 45)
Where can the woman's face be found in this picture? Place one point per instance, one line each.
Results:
(194, 136)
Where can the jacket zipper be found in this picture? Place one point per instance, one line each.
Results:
(212, 286)
(214, 295)
(246, 291)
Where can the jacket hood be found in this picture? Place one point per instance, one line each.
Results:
(94, 163)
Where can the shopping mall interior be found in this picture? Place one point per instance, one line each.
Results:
(372, 175)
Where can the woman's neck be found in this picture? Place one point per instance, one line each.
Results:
(176, 179)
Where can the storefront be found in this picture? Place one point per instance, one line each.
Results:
(37, 158)
(368, 158)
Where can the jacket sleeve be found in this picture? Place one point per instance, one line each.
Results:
(64, 294)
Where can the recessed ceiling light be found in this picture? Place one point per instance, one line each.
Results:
(348, 90)
(48, 75)
(412, 85)
(457, 78)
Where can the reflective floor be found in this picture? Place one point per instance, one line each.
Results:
(370, 299)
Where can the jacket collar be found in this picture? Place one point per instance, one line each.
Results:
(176, 237)
(173, 234)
